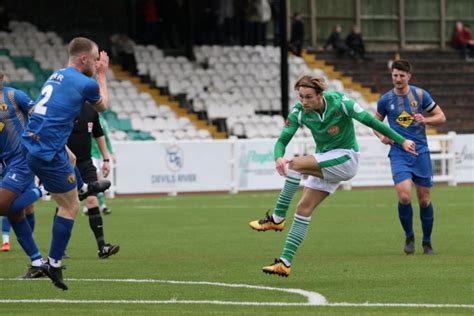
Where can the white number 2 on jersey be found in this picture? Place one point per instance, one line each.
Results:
(40, 107)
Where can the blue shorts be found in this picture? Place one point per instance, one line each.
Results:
(56, 175)
(408, 166)
(17, 178)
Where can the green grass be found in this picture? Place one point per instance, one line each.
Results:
(353, 253)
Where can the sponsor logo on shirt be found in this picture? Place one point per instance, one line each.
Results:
(3, 107)
(333, 130)
(2, 126)
(336, 114)
(404, 119)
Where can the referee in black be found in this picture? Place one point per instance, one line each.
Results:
(86, 127)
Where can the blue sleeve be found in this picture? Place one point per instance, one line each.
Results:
(23, 101)
(381, 108)
(428, 102)
(92, 91)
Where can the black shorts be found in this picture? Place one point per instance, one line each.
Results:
(87, 170)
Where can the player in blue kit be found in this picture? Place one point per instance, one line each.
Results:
(62, 98)
(17, 189)
(404, 106)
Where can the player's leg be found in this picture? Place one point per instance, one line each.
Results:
(405, 210)
(422, 177)
(85, 189)
(426, 217)
(96, 224)
(298, 166)
(6, 227)
(309, 201)
(15, 179)
(30, 216)
(101, 196)
(58, 178)
(334, 166)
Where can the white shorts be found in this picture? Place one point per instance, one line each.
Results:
(337, 165)
(97, 163)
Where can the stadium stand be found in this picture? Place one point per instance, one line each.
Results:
(448, 78)
(236, 88)
(28, 60)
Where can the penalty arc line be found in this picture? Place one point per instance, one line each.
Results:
(314, 299)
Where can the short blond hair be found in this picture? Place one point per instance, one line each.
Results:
(80, 45)
(316, 83)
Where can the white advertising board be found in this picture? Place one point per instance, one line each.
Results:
(256, 165)
(157, 167)
(464, 158)
(374, 165)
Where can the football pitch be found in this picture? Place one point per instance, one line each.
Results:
(195, 254)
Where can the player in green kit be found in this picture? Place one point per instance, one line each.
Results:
(329, 117)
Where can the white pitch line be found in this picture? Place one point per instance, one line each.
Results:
(314, 299)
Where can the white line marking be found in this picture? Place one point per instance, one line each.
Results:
(314, 299)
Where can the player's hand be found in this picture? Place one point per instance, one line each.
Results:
(387, 141)
(280, 165)
(419, 118)
(410, 146)
(105, 168)
(103, 63)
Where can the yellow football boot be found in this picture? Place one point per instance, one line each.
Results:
(267, 223)
(278, 267)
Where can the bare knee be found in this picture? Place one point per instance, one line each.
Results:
(295, 166)
(424, 201)
(404, 197)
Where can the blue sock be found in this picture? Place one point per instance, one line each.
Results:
(79, 181)
(427, 219)
(405, 213)
(62, 228)
(24, 235)
(31, 220)
(25, 199)
(5, 226)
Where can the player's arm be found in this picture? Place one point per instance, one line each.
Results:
(107, 138)
(384, 139)
(101, 71)
(105, 155)
(286, 135)
(357, 112)
(436, 117)
(98, 134)
(24, 102)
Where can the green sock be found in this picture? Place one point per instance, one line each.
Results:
(292, 184)
(295, 237)
(100, 196)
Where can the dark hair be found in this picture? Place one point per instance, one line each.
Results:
(402, 65)
(80, 45)
(316, 83)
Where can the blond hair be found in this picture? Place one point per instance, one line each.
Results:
(80, 45)
(316, 83)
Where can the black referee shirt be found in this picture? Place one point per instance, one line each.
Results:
(87, 125)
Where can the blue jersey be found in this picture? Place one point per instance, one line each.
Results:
(400, 110)
(14, 108)
(58, 106)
